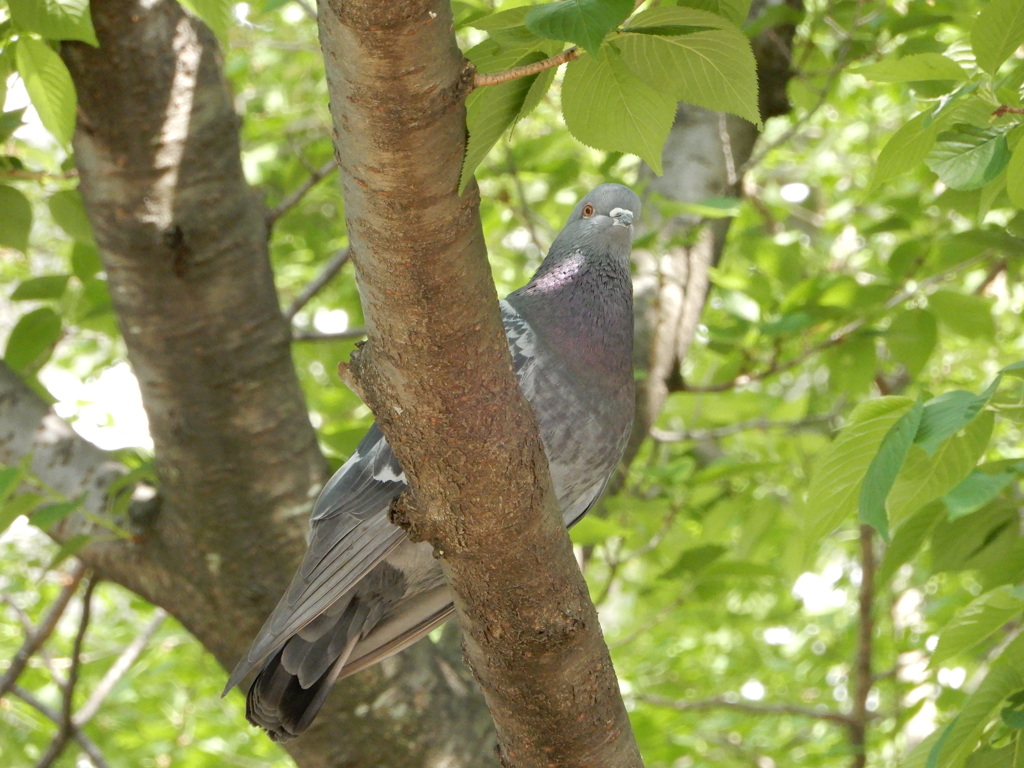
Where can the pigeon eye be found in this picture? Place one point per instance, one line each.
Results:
(588, 211)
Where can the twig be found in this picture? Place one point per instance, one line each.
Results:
(354, 333)
(66, 728)
(35, 641)
(668, 436)
(309, 9)
(719, 702)
(331, 268)
(1003, 109)
(293, 199)
(495, 78)
(615, 561)
(836, 337)
(863, 681)
(117, 670)
(88, 745)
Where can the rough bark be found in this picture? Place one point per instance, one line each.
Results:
(184, 244)
(437, 373)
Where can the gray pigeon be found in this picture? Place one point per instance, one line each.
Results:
(364, 591)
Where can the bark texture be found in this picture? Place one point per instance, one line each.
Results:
(184, 244)
(437, 373)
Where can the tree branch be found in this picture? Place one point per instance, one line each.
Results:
(331, 268)
(437, 373)
(88, 745)
(569, 54)
(862, 675)
(745, 706)
(295, 197)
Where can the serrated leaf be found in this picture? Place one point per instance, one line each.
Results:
(40, 288)
(968, 157)
(607, 107)
(10, 122)
(216, 14)
(911, 339)
(513, 17)
(965, 314)
(977, 621)
(974, 492)
(839, 472)
(906, 149)
(1015, 175)
(997, 32)
(927, 477)
(735, 11)
(49, 86)
(15, 218)
(489, 112)
(883, 469)
(913, 68)
(55, 19)
(32, 340)
(68, 211)
(584, 22)
(714, 69)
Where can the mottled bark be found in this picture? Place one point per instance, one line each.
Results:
(437, 373)
(184, 244)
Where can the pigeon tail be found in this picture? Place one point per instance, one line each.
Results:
(292, 685)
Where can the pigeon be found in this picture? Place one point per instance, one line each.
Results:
(364, 590)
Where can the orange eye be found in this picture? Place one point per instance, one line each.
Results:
(588, 211)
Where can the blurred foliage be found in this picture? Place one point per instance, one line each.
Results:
(872, 272)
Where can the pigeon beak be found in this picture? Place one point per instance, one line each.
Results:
(622, 217)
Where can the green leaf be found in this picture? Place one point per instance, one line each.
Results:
(514, 17)
(694, 560)
(491, 110)
(51, 514)
(32, 340)
(1005, 677)
(735, 11)
(584, 22)
(905, 150)
(968, 157)
(947, 413)
(965, 314)
(10, 122)
(836, 482)
(607, 107)
(975, 491)
(927, 477)
(216, 14)
(998, 32)
(67, 549)
(41, 288)
(592, 530)
(913, 68)
(15, 218)
(1015, 175)
(977, 621)
(85, 260)
(49, 85)
(884, 467)
(14, 508)
(713, 69)
(55, 19)
(68, 211)
(911, 339)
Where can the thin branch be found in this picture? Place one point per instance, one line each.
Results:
(569, 54)
(117, 670)
(295, 197)
(719, 702)
(353, 333)
(863, 680)
(309, 9)
(88, 745)
(836, 337)
(35, 641)
(66, 728)
(1003, 109)
(668, 436)
(331, 268)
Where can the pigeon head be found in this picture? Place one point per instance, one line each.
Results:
(604, 217)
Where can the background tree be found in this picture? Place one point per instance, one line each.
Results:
(870, 264)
